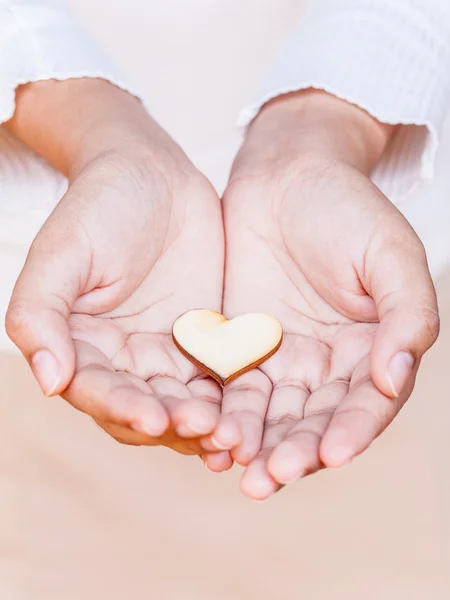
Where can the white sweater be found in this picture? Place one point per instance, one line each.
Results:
(391, 57)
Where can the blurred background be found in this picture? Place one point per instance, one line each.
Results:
(82, 517)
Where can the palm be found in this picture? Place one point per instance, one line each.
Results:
(129, 375)
(319, 382)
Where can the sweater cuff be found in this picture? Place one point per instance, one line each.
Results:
(40, 40)
(389, 58)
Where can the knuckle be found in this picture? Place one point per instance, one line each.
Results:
(16, 320)
(420, 249)
(431, 325)
(285, 420)
(251, 416)
(308, 438)
(403, 244)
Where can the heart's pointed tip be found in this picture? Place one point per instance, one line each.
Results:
(229, 379)
(220, 380)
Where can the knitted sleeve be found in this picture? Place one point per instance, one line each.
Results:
(391, 58)
(40, 40)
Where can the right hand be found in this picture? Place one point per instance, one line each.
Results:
(136, 241)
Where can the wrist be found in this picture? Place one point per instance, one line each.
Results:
(312, 124)
(72, 122)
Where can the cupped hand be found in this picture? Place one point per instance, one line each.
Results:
(136, 241)
(313, 242)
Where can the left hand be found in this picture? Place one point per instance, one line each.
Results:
(313, 242)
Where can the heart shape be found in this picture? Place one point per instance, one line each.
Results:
(226, 349)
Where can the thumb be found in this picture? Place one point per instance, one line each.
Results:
(38, 313)
(401, 285)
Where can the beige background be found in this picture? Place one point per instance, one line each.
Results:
(84, 518)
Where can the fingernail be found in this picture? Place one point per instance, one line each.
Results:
(201, 427)
(291, 478)
(149, 426)
(217, 444)
(183, 431)
(399, 371)
(47, 371)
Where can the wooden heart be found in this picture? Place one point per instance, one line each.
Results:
(226, 349)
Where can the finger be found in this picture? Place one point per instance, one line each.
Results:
(401, 285)
(37, 317)
(297, 454)
(218, 462)
(360, 417)
(226, 436)
(200, 415)
(106, 395)
(194, 408)
(246, 400)
(286, 408)
(256, 482)
(194, 411)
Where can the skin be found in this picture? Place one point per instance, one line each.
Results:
(113, 266)
(313, 242)
(309, 240)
